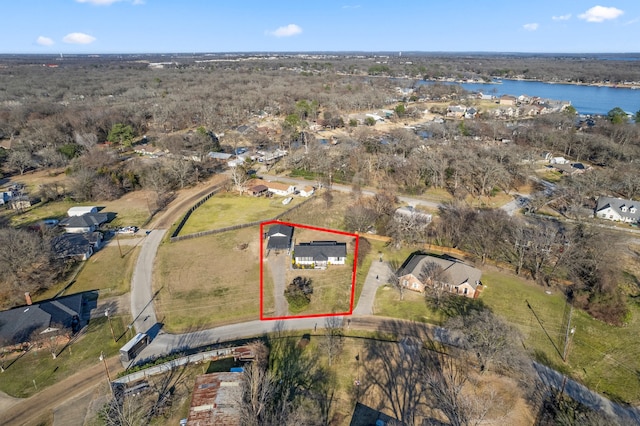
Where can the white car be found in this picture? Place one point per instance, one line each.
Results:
(287, 200)
(127, 230)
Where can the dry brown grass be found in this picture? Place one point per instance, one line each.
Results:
(208, 281)
(316, 213)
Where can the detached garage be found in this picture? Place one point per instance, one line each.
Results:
(80, 210)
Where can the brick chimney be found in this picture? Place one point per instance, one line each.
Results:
(27, 296)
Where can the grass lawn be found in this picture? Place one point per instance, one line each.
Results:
(105, 271)
(331, 288)
(38, 365)
(413, 307)
(316, 213)
(268, 301)
(603, 357)
(226, 209)
(208, 281)
(51, 210)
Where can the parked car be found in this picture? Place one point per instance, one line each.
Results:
(127, 230)
(287, 200)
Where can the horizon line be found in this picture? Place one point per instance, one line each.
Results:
(341, 52)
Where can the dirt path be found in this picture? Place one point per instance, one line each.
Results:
(53, 401)
(31, 410)
(183, 201)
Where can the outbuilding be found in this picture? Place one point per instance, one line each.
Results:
(80, 210)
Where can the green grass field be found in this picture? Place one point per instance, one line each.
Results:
(603, 357)
(227, 209)
(105, 271)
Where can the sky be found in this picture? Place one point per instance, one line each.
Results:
(168, 26)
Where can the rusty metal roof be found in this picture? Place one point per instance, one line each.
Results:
(216, 400)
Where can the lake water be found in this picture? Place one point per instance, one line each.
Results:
(585, 99)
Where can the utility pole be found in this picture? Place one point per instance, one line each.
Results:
(568, 335)
(118, 241)
(106, 368)
(106, 314)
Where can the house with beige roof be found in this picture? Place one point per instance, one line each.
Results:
(420, 271)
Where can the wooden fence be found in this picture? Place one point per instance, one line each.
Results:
(175, 237)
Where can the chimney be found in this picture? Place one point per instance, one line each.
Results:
(27, 296)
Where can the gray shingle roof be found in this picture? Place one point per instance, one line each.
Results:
(458, 271)
(18, 325)
(85, 221)
(279, 237)
(321, 250)
(617, 204)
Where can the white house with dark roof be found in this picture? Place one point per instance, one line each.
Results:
(618, 210)
(88, 222)
(320, 253)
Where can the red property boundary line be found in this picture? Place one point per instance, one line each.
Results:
(353, 273)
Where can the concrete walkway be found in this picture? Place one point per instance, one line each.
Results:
(377, 276)
(278, 264)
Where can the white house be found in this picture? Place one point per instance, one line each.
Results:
(618, 210)
(307, 191)
(320, 253)
(89, 222)
(80, 210)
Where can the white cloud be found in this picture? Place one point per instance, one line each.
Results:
(286, 31)
(600, 14)
(78, 38)
(531, 27)
(44, 41)
(562, 17)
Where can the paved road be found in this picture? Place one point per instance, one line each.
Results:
(346, 188)
(142, 306)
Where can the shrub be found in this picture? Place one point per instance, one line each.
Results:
(298, 294)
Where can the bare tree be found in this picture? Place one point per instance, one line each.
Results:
(496, 343)
(27, 260)
(52, 338)
(20, 160)
(394, 278)
(359, 217)
(437, 283)
(332, 339)
(239, 177)
(181, 170)
(394, 370)
(258, 392)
